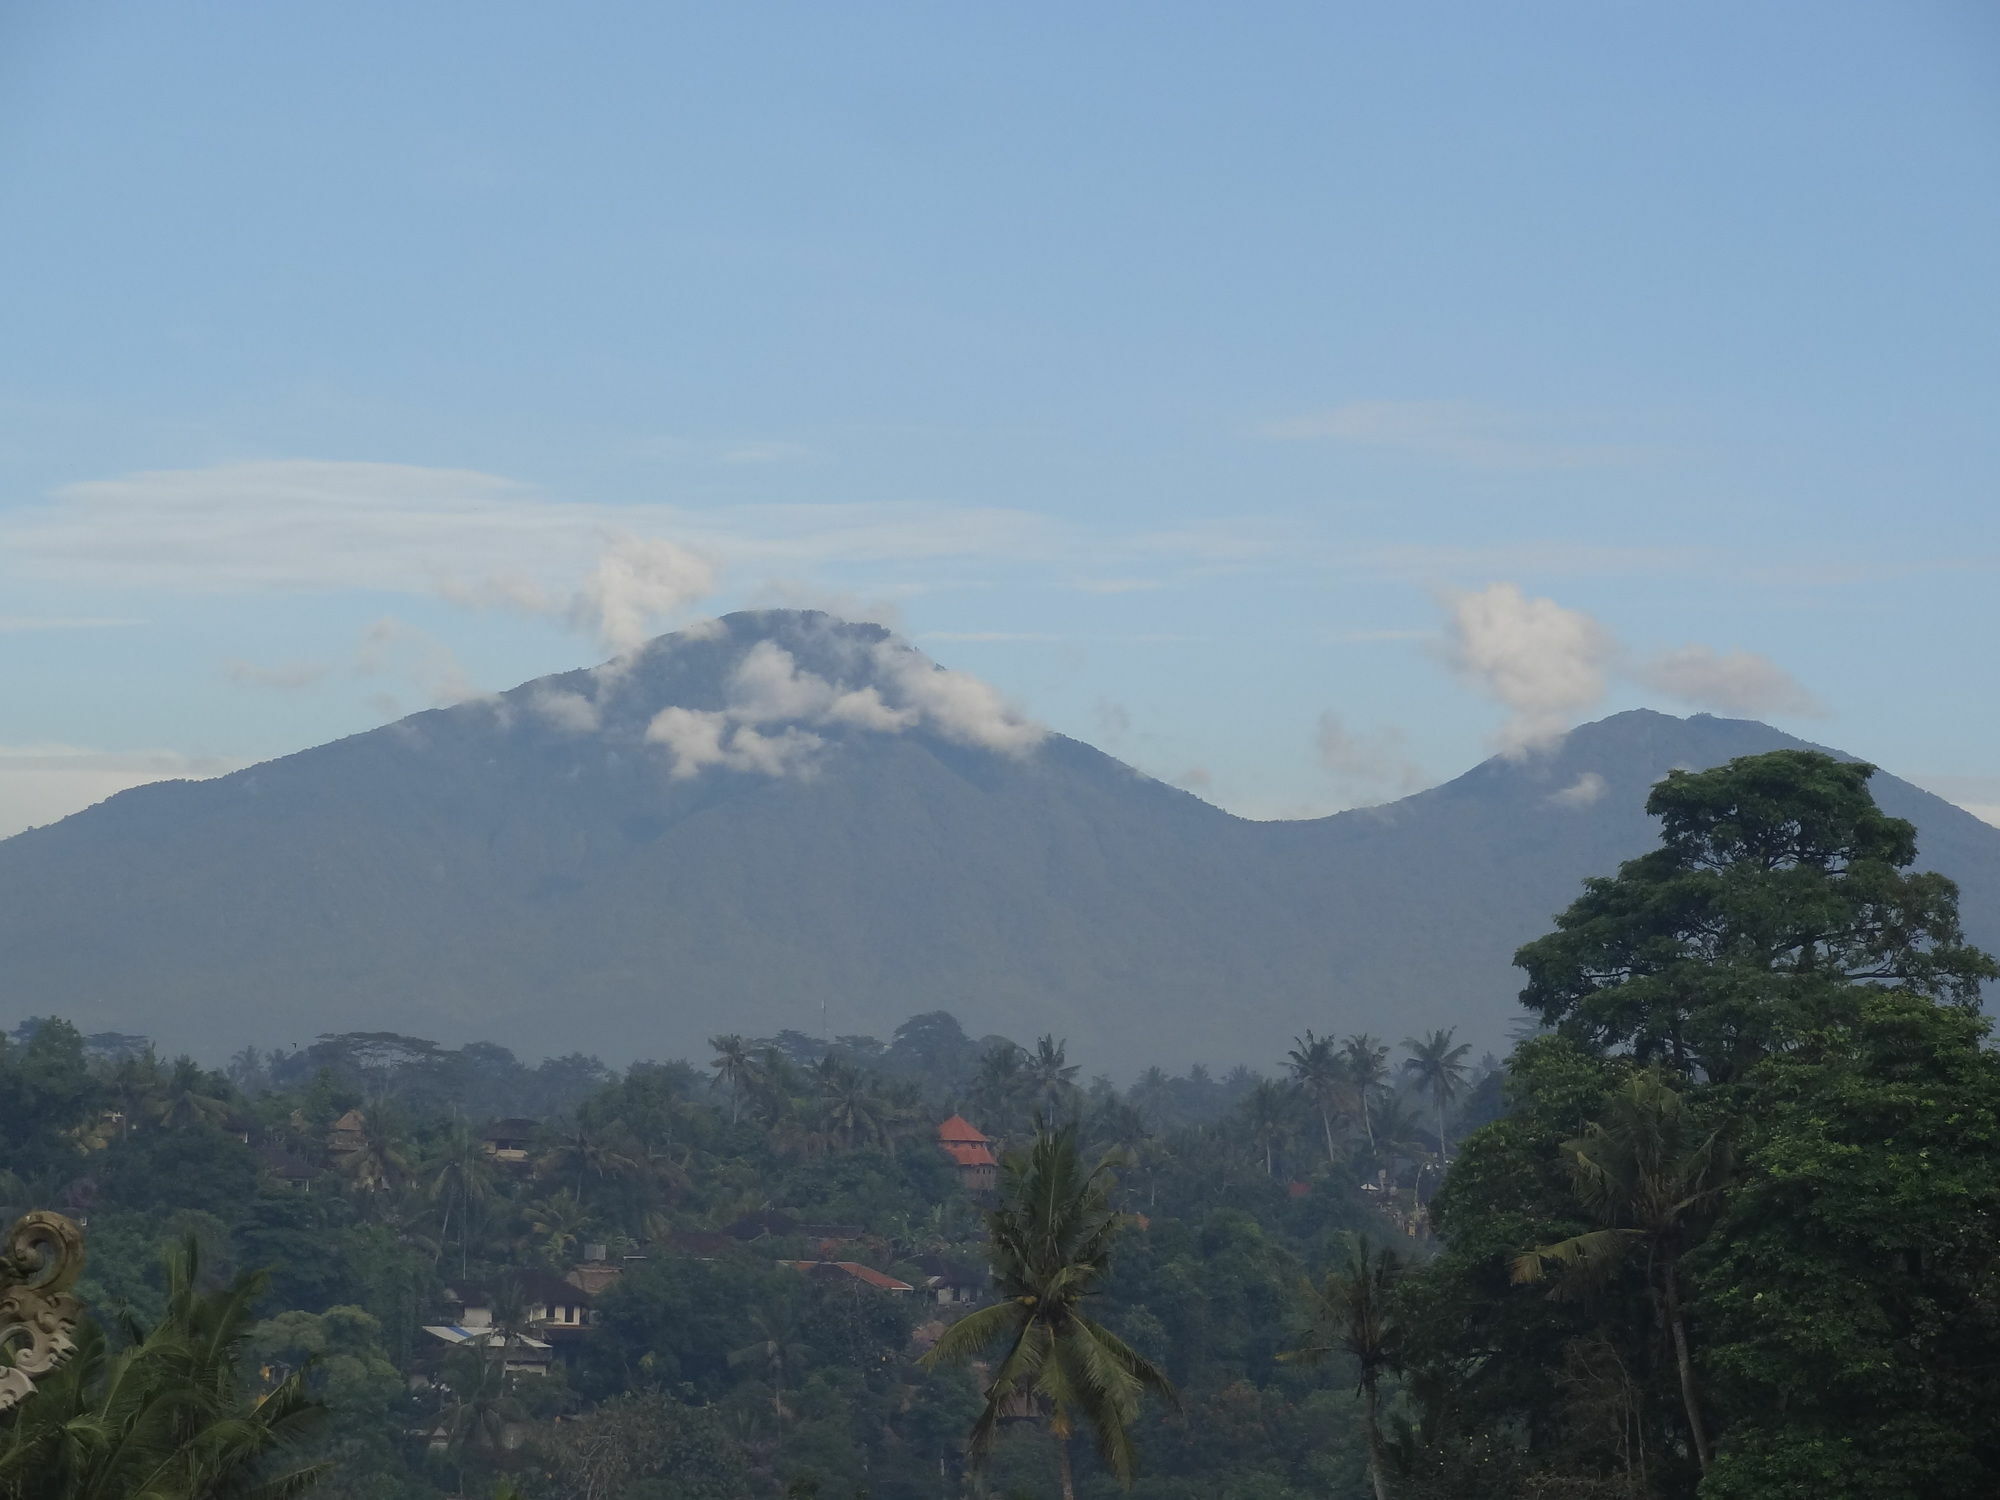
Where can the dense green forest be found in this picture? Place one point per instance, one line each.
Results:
(1726, 1222)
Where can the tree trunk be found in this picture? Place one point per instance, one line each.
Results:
(1326, 1124)
(1696, 1433)
(1374, 1435)
(1367, 1121)
(1062, 1468)
(1443, 1152)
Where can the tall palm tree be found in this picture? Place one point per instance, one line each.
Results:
(734, 1068)
(1650, 1179)
(1267, 1112)
(377, 1160)
(188, 1097)
(1052, 1077)
(1351, 1313)
(1316, 1069)
(999, 1082)
(1439, 1069)
(854, 1112)
(776, 1346)
(1368, 1071)
(460, 1175)
(167, 1416)
(1050, 1244)
(583, 1155)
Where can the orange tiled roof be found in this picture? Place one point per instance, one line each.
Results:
(958, 1128)
(968, 1154)
(867, 1275)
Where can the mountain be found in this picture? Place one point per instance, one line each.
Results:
(789, 821)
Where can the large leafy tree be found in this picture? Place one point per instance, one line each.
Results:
(1051, 1241)
(1851, 1292)
(1778, 886)
(1781, 971)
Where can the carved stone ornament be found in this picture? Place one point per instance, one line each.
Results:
(42, 1258)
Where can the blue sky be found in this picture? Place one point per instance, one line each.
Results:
(1299, 401)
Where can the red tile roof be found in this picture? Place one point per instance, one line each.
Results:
(963, 1131)
(967, 1154)
(867, 1275)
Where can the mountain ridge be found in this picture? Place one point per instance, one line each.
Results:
(789, 820)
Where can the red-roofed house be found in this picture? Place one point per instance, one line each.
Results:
(836, 1269)
(971, 1152)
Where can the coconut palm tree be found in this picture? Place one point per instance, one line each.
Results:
(777, 1347)
(584, 1155)
(734, 1068)
(1650, 1178)
(1268, 1113)
(853, 1111)
(1317, 1070)
(1051, 1078)
(999, 1081)
(1050, 1245)
(1439, 1070)
(460, 1175)
(1367, 1071)
(167, 1416)
(1351, 1313)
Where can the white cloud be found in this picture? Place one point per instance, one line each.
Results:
(1545, 664)
(1587, 789)
(698, 739)
(561, 709)
(302, 524)
(769, 687)
(637, 583)
(393, 647)
(22, 624)
(956, 704)
(991, 637)
(1730, 682)
(1377, 761)
(1118, 585)
(42, 783)
(1461, 432)
(286, 677)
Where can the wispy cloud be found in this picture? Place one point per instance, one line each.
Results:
(317, 525)
(1459, 432)
(1548, 665)
(44, 782)
(1978, 795)
(1730, 682)
(25, 623)
(284, 677)
(1370, 763)
(1544, 663)
(1118, 585)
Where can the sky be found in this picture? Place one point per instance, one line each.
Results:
(1301, 402)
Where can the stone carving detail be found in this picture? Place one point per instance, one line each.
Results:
(42, 1258)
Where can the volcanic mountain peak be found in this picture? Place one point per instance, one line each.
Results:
(784, 820)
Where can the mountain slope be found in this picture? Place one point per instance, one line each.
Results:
(855, 837)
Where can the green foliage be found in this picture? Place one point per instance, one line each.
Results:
(168, 1417)
(1051, 1241)
(1758, 1159)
